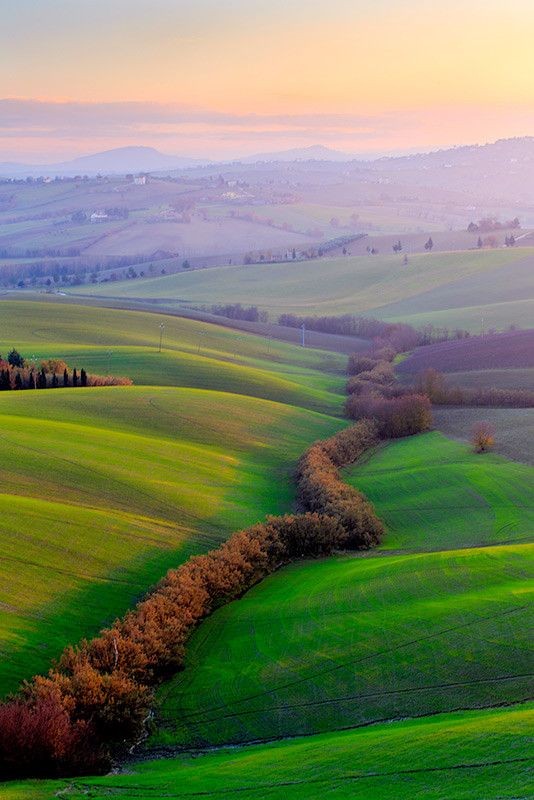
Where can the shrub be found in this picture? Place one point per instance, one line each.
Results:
(394, 417)
(358, 363)
(483, 437)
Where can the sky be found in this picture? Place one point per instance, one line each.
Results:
(223, 78)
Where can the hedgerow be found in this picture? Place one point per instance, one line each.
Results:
(96, 700)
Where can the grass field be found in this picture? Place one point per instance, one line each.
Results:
(434, 493)
(104, 489)
(400, 632)
(437, 287)
(194, 354)
(454, 756)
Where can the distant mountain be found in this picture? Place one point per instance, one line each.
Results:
(121, 160)
(316, 152)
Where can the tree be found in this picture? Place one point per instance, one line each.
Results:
(480, 243)
(186, 264)
(83, 377)
(41, 380)
(65, 377)
(15, 359)
(31, 381)
(397, 247)
(429, 244)
(483, 437)
(18, 381)
(55, 382)
(74, 377)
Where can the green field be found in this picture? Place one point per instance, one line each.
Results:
(435, 621)
(450, 757)
(446, 288)
(103, 489)
(195, 354)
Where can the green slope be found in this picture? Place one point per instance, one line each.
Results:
(452, 287)
(195, 354)
(104, 489)
(434, 493)
(455, 756)
(353, 640)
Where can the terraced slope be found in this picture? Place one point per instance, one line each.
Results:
(454, 289)
(353, 640)
(460, 756)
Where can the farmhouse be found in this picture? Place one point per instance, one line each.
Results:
(99, 216)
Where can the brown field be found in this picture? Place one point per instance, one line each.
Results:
(514, 428)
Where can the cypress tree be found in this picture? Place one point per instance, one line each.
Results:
(65, 377)
(31, 383)
(74, 377)
(41, 380)
(54, 381)
(83, 377)
(18, 381)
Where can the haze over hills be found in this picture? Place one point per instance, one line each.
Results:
(120, 160)
(502, 155)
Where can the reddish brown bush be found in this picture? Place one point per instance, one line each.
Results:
(483, 437)
(358, 363)
(394, 417)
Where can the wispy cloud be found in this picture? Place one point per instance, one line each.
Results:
(150, 122)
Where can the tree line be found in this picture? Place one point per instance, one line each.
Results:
(17, 374)
(398, 335)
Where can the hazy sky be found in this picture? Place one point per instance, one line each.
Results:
(223, 77)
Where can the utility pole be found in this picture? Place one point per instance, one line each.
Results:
(161, 329)
(303, 334)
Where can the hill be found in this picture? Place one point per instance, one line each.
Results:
(457, 756)
(104, 489)
(434, 621)
(194, 354)
(120, 160)
(447, 289)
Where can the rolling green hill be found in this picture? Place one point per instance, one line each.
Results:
(455, 756)
(399, 632)
(194, 354)
(103, 489)
(454, 289)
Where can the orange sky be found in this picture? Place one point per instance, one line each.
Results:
(377, 75)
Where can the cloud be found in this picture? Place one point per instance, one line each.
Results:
(34, 119)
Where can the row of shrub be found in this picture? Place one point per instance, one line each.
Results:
(96, 700)
(374, 393)
(434, 385)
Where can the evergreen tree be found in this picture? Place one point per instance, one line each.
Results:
(74, 377)
(15, 359)
(18, 381)
(55, 381)
(5, 383)
(65, 377)
(31, 382)
(83, 377)
(41, 380)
